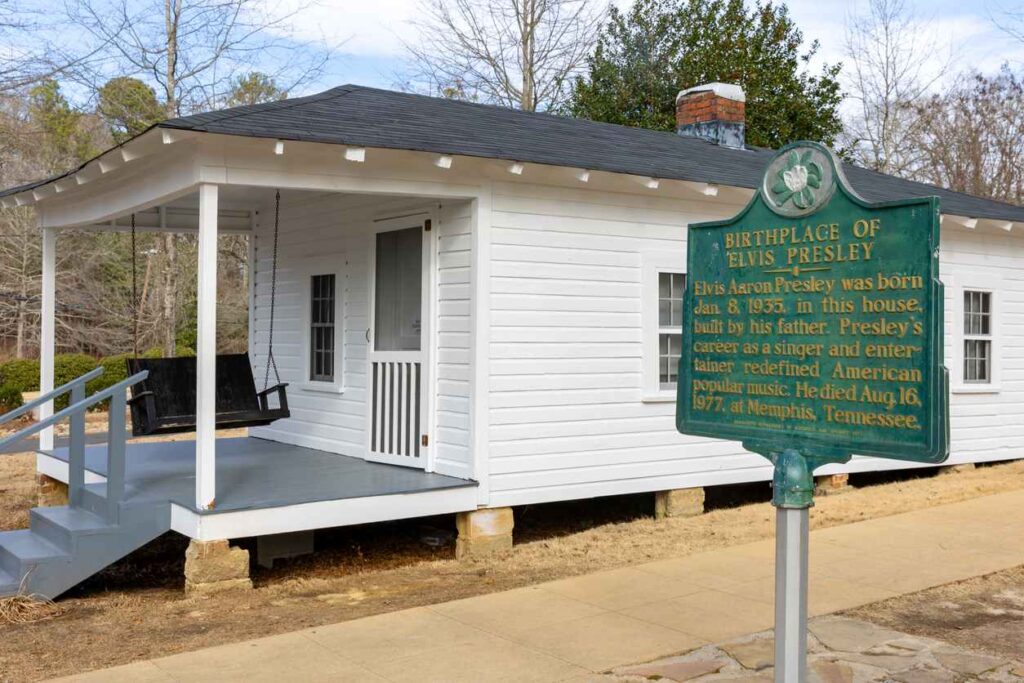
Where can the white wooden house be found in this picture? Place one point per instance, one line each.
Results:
(474, 308)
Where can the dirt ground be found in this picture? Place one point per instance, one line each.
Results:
(136, 608)
(985, 613)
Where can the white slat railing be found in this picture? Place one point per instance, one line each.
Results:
(395, 402)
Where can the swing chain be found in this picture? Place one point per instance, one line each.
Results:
(135, 296)
(271, 363)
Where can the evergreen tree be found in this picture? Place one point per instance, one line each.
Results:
(66, 137)
(128, 106)
(254, 88)
(647, 54)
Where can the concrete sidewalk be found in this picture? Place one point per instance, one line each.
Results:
(570, 629)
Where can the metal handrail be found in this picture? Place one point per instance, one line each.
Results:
(50, 395)
(76, 408)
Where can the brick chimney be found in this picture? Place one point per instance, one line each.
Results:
(713, 112)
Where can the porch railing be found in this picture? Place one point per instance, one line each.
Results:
(75, 413)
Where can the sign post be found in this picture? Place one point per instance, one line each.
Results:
(812, 332)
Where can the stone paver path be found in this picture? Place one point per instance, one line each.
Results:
(577, 629)
(840, 650)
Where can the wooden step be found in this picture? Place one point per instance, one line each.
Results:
(22, 548)
(62, 525)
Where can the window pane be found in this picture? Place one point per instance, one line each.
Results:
(977, 360)
(397, 290)
(665, 285)
(677, 285)
(668, 359)
(977, 312)
(677, 312)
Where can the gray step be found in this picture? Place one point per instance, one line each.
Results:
(94, 498)
(67, 545)
(8, 584)
(63, 525)
(21, 549)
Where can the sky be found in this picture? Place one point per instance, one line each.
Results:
(370, 34)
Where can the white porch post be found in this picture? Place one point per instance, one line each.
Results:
(46, 336)
(206, 351)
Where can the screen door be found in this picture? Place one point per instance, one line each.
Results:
(398, 372)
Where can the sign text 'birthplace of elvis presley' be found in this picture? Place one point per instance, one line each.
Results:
(813, 321)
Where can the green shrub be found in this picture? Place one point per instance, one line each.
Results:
(66, 367)
(10, 398)
(115, 369)
(21, 374)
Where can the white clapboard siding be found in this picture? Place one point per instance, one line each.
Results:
(452, 404)
(339, 229)
(567, 417)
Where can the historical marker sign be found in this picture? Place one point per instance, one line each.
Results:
(813, 321)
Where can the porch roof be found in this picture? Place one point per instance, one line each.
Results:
(370, 117)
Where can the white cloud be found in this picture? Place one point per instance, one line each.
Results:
(367, 27)
(964, 33)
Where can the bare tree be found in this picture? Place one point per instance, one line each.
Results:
(517, 53)
(892, 65)
(32, 46)
(1008, 16)
(973, 137)
(19, 278)
(195, 50)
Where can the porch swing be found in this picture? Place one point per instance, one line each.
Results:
(165, 402)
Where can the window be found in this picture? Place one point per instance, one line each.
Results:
(977, 337)
(662, 283)
(670, 321)
(398, 289)
(322, 304)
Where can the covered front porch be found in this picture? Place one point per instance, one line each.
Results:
(380, 411)
(265, 487)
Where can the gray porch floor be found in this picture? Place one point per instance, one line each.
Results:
(256, 473)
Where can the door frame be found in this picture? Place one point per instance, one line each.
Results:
(428, 336)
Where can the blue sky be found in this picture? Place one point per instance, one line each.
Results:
(372, 53)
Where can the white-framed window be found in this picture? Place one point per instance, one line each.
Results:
(664, 281)
(670, 324)
(323, 324)
(975, 357)
(977, 337)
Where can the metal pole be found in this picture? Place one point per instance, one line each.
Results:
(791, 537)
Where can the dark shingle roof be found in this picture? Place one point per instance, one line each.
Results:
(369, 117)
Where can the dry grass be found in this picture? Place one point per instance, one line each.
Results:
(17, 489)
(985, 613)
(28, 609)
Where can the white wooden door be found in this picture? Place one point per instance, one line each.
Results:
(399, 368)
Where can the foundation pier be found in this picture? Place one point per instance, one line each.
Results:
(483, 533)
(50, 492)
(831, 484)
(679, 503)
(214, 566)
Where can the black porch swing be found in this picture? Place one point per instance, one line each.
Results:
(165, 402)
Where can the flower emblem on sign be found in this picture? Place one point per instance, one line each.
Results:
(797, 180)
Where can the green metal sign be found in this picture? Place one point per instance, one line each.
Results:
(813, 324)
